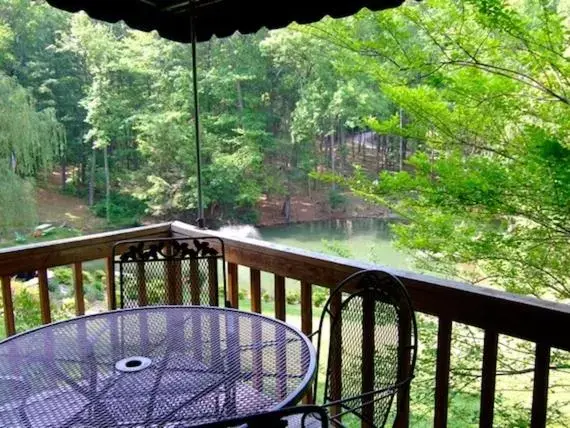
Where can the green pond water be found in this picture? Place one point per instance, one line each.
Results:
(366, 240)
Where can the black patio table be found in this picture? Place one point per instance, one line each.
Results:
(164, 366)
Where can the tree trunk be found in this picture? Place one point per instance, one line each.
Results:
(286, 210)
(82, 170)
(401, 157)
(63, 172)
(107, 184)
(333, 159)
(91, 197)
(378, 137)
(239, 103)
(342, 142)
(13, 162)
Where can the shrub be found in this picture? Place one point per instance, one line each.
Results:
(293, 297)
(100, 275)
(124, 210)
(63, 275)
(336, 199)
(93, 292)
(266, 297)
(27, 300)
(242, 294)
(320, 296)
(88, 277)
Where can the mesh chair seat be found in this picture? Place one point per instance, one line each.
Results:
(170, 271)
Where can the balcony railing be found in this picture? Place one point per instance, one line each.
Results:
(495, 312)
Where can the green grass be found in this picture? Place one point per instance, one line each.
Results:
(56, 233)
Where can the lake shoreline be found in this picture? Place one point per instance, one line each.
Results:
(316, 207)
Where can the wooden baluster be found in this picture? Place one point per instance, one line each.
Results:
(368, 350)
(540, 385)
(336, 357)
(9, 323)
(403, 412)
(44, 296)
(110, 271)
(142, 295)
(213, 281)
(306, 307)
(442, 372)
(173, 278)
(257, 366)
(255, 290)
(78, 287)
(488, 378)
(307, 322)
(194, 282)
(280, 297)
(233, 290)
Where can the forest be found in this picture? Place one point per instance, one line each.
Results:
(454, 115)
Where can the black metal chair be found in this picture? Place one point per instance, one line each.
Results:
(372, 349)
(170, 271)
(308, 416)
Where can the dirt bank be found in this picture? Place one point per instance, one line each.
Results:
(316, 207)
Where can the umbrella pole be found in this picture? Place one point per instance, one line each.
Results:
(200, 221)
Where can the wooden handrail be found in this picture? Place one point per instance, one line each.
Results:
(32, 257)
(523, 317)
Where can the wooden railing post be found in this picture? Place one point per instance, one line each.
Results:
(110, 271)
(9, 323)
(255, 290)
(233, 286)
(78, 287)
(487, 405)
(540, 386)
(336, 357)
(404, 372)
(195, 284)
(280, 301)
(368, 350)
(307, 322)
(142, 294)
(213, 281)
(44, 296)
(442, 372)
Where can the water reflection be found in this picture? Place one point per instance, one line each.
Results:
(366, 239)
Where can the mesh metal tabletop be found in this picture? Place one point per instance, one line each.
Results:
(162, 367)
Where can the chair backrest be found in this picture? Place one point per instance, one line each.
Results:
(299, 417)
(372, 347)
(170, 271)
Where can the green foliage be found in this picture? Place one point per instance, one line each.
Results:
(479, 88)
(320, 296)
(63, 275)
(293, 297)
(266, 297)
(29, 138)
(125, 210)
(94, 291)
(17, 199)
(337, 199)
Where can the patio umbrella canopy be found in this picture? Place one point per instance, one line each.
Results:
(193, 21)
(221, 18)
